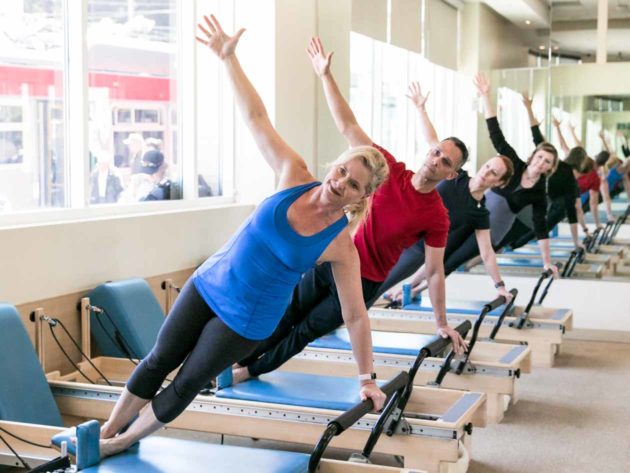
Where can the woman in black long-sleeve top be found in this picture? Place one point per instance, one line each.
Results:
(526, 188)
(562, 191)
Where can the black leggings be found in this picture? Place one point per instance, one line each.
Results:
(521, 234)
(192, 334)
(314, 311)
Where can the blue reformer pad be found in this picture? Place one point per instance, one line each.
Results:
(169, 455)
(24, 392)
(455, 306)
(86, 450)
(520, 262)
(297, 389)
(134, 310)
(394, 343)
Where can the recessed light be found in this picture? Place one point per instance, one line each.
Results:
(527, 22)
(555, 48)
(541, 47)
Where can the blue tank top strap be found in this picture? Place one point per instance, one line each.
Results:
(285, 229)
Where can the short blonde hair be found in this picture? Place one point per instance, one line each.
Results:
(376, 163)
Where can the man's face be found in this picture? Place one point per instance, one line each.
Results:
(442, 162)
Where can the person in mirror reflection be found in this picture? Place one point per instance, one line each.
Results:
(304, 223)
(526, 189)
(562, 193)
(584, 171)
(105, 186)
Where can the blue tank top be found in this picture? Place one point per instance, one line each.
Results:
(249, 282)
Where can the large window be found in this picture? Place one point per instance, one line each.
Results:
(380, 75)
(132, 100)
(32, 166)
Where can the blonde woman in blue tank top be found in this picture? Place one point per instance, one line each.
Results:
(303, 224)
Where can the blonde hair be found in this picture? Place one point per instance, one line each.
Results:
(375, 162)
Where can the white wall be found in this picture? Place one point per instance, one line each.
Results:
(49, 260)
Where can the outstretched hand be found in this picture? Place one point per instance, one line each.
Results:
(215, 38)
(319, 59)
(527, 100)
(414, 93)
(554, 120)
(482, 84)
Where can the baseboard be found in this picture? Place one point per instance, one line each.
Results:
(594, 335)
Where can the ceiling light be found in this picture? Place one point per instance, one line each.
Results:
(555, 48)
(528, 22)
(541, 47)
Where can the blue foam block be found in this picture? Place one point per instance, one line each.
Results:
(394, 343)
(86, 450)
(169, 455)
(297, 389)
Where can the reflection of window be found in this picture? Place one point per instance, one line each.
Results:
(11, 147)
(147, 116)
(10, 114)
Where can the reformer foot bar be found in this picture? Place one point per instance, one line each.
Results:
(542, 333)
(523, 266)
(31, 419)
(438, 421)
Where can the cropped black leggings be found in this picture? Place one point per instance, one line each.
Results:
(192, 334)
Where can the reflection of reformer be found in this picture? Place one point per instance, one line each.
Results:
(438, 420)
(30, 419)
(518, 264)
(543, 333)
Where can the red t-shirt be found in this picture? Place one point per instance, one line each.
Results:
(398, 218)
(589, 182)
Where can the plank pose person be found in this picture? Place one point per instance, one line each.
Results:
(405, 208)
(302, 224)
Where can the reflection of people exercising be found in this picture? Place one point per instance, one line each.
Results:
(303, 223)
(380, 239)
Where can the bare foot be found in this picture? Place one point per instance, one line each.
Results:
(106, 432)
(240, 374)
(109, 447)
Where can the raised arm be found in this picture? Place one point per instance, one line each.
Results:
(624, 144)
(605, 144)
(414, 93)
(534, 123)
(494, 129)
(345, 120)
(578, 141)
(288, 166)
(563, 144)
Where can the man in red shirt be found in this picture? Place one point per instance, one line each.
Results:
(404, 209)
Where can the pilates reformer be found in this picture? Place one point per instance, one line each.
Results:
(521, 265)
(493, 368)
(438, 420)
(542, 333)
(30, 419)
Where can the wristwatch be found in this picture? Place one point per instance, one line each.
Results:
(499, 284)
(367, 376)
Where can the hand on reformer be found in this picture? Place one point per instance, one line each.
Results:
(505, 293)
(319, 59)
(459, 344)
(216, 39)
(370, 390)
(554, 270)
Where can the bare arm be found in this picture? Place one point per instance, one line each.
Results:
(527, 102)
(602, 136)
(489, 258)
(593, 202)
(545, 251)
(563, 144)
(434, 262)
(429, 134)
(288, 166)
(577, 140)
(483, 89)
(580, 215)
(346, 271)
(344, 118)
(605, 191)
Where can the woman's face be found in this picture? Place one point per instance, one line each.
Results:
(542, 162)
(346, 183)
(491, 173)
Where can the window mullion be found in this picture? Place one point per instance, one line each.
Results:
(76, 102)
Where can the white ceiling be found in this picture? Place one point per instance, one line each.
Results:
(573, 24)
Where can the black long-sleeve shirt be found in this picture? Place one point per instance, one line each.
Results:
(562, 184)
(519, 197)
